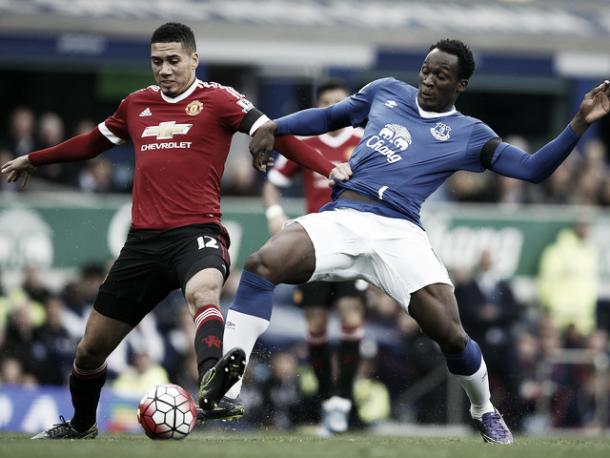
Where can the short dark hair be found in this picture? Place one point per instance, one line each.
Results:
(458, 48)
(174, 32)
(331, 85)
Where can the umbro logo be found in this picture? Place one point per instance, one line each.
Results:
(146, 112)
(391, 104)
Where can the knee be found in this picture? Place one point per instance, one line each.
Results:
(260, 264)
(351, 312)
(317, 323)
(455, 341)
(208, 293)
(89, 356)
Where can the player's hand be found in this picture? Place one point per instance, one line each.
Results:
(341, 172)
(261, 146)
(596, 103)
(16, 168)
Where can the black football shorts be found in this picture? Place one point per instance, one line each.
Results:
(152, 263)
(325, 294)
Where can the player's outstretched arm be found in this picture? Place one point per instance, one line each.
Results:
(516, 163)
(312, 121)
(16, 168)
(84, 146)
(595, 105)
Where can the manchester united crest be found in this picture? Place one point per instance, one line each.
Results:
(194, 108)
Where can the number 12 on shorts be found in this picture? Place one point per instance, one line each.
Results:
(206, 241)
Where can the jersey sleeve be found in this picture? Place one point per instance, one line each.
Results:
(359, 104)
(479, 136)
(283, 172)
(115, 127)
(236, 112)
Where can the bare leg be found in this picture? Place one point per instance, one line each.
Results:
(102, 336)
(288, 257)
(436, 311)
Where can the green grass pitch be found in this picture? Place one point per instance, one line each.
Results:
(237, 445)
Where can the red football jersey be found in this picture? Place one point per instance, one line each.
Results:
(336, 149)
(180, 145)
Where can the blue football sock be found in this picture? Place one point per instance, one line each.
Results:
(254, 296)
(466, 362)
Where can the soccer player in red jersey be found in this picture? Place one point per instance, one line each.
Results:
(316, 298)
(181, 131)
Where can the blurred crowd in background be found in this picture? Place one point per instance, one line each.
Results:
(581, 180)
(40, 326)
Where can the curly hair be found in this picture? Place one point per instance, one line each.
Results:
(458, 48)
(174, 32)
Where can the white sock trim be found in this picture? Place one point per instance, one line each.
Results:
(477, 388)
(242, 330)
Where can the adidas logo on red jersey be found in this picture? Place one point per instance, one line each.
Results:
(146, 112)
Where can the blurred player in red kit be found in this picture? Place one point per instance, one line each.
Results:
(181, 132)
(317, 298)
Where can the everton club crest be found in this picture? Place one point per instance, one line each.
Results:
(441, 132)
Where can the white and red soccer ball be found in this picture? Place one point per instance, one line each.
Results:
(167, 412)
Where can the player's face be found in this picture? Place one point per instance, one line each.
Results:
(173, 67)
(439, 83)
(330, 97)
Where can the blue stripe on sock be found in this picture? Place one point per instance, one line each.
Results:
(254, 296)
(467, 362)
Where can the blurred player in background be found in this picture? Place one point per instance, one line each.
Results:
(181, 131)
(414, 139)
(316, 298)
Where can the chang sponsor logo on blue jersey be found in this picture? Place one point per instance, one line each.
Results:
(391, 140)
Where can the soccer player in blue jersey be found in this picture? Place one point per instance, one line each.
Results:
(414, 140)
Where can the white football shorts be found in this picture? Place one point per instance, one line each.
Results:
(391, 253)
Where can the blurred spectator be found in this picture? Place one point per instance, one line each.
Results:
(6, 155)
(53, 346)
(51, 132)
(97, 176)
(282, 398)
(18, 342)
(568, 279)
(79, 295)
(140, 376)
(11, 373)
(33, 284)
(371, 396)
(604, 192)
(469, 187)
(16, 299)
(22, 126)
(83, 126)
(489, 310)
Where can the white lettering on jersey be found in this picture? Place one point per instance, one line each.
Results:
(168, 145)
(166, 130)
(390, 137)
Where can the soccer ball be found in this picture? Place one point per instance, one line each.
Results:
(167, 412)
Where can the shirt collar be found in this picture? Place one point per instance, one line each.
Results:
(182, 96)
(433, 114)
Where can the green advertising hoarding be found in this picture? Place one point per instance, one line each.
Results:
(64, 231)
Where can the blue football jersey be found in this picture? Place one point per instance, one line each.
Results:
(406, 153)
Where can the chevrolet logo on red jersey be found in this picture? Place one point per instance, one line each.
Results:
(166, 130)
